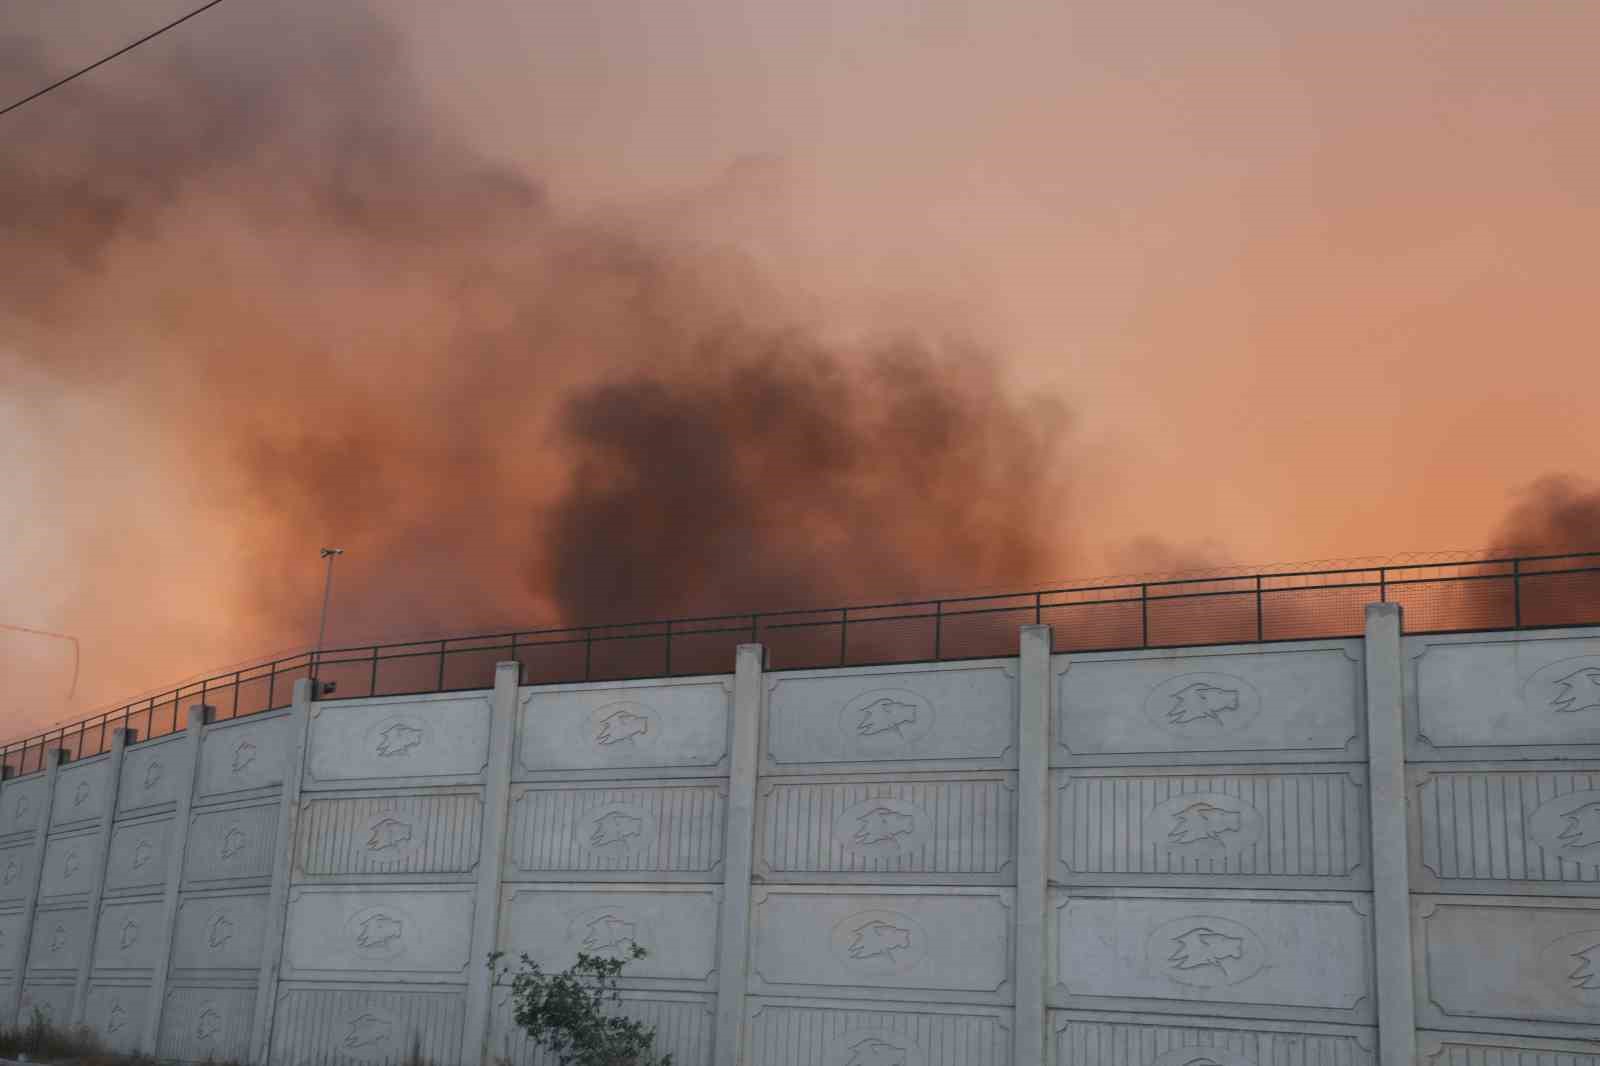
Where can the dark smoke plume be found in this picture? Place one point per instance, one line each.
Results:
(1557, 513)
(272, 303)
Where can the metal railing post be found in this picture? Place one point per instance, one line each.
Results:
(1516, 594)
(1260, 628)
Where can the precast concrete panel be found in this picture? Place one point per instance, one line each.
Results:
(52, 1000)
(82, 791)
(410, 740)
(821, 1032)
(951, 716)
(676, 925)
(137, 858)
(684, 1026)
(1297, 827)
(1475, 1049)
(625, 730)
(20, 804)
(16, 873)
(243, 756)
(1505, 696)
(943, 944)
(1297, 702)
(663, 831)
(393, 835)
(11, 926)
(1509, 965)
(206, 1023)
(219, 935)
(349, 1025)
(231, 845)
(69, 865)
(1098, 1039)
(115, 1011)
(56, 948)
(152, 775)
(922, 828)
(1531, 828)
(128, 941)
(1289, 955)
(419, 933)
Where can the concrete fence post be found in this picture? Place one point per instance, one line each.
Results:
(491, 858)
(177, 852)
(97, 877)
(1033, 843)
(52, 765)
(283, 853)
(733, 933)
(1391, 883)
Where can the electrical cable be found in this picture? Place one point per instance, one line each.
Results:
(102, 62)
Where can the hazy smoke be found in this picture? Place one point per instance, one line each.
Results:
(270, 303)
(1557, 513)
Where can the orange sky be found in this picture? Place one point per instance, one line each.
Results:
(1313, 280)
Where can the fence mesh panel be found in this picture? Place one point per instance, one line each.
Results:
(1438, 597)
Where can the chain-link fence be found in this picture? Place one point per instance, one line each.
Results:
(1452, 596)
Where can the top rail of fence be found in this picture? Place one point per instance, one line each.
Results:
(1461, 595)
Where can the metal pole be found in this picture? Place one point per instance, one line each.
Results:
(327, 593)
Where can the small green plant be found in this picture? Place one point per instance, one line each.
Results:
(573, 1014)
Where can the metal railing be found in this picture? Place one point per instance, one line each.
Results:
(1453, 596)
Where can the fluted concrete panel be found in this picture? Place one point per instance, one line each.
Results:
(365, 1026)
(1272, 828)
(1095, 1039)
(683, 1023)
(654, 729)
(419, 740)
(206, 1023)
(820, 1032)
(1508, 830)
(639, 831)
(949, 944)
(418, 933)
(927, 829)
(1242, 954)
(1442, 1049)
(1297, 702)
(950, 716)
(231, 845)
(390, 835)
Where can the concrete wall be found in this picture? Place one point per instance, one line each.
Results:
(1328, 853)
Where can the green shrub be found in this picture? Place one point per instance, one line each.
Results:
(573, 1014)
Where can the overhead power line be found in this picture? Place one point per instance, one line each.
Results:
(102, 62)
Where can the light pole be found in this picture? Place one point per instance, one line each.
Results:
(327, 593)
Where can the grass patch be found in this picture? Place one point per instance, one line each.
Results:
(38, 1040)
